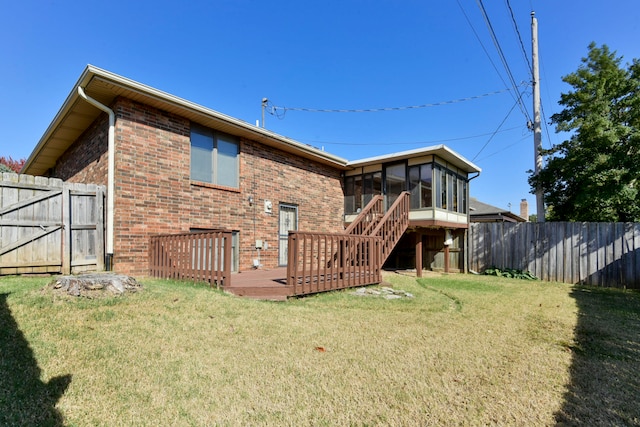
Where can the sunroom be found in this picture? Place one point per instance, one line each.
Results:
(437, 179)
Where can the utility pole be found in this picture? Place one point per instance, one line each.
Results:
(537, 128)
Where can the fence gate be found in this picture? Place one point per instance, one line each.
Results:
(48, 226)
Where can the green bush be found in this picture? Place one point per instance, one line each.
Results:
(510, 273)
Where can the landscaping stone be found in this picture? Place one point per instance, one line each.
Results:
(95, 285)
(384, 292)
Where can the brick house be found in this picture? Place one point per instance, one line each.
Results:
(178, 167)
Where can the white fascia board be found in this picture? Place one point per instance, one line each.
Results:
(438, 150)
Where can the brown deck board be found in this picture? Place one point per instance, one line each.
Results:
(261, 284)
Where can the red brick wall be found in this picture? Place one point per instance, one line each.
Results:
(151, 181)
(86, 160)
(270, 174)
(154, 193)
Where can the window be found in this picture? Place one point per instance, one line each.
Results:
(462, 195)
(426, 192)
(396, 181)
(454, 193)
(372, 186)
(359, 190)
(352, 193)
(214, 157)
(430, 184)
(420, 178)
(450, 190)
(445, 188)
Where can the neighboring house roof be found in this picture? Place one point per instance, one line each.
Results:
(76, 115)
(442, 151)
(483, 212)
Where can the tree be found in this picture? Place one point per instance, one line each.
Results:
(593, 176)
(11, 164)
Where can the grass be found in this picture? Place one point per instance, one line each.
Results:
(467, 350)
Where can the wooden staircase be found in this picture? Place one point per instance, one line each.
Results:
(390, 226)
(320, 262)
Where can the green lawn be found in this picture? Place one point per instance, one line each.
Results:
(467, 350)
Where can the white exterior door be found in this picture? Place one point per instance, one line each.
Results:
(288, 221)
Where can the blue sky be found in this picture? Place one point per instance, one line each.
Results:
(347, 54)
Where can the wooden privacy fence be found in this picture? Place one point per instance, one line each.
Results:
(50, 226)
(319, 262)
(200, 256)
(597, 254)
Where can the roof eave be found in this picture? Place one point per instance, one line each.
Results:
(441, 151)
(38, 163)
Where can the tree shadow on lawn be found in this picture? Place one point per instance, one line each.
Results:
(24, 399)
(605, 370)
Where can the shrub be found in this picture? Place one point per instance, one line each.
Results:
(510, 273)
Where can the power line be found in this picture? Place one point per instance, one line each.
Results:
(502, 56)
(433, 141)
(515, 27)
(274, 109)
(482, 44)
(505, 148)
(496, 131)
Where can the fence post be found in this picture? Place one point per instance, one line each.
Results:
(99, 228)
(66, 230)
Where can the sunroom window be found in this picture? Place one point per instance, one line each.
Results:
(359, 190)
(420, 178)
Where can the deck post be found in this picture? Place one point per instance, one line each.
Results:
(446, 258)
(418, 255)
(227, 238)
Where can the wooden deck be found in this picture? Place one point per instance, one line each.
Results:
(261, 284)
(318, 262)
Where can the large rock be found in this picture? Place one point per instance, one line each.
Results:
(95, 285)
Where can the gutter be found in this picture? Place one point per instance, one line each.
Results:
(110, 174)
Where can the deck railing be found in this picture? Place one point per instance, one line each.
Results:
(314, 267)
(199, 256)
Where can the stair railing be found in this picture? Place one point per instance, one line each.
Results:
(368, 218)
(394, 223)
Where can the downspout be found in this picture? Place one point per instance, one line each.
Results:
(110, 174)
(468, 232)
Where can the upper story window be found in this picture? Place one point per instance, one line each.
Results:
(360, 189)
(214, 157)
(451, 190)
(420, 179)
(431, 185)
